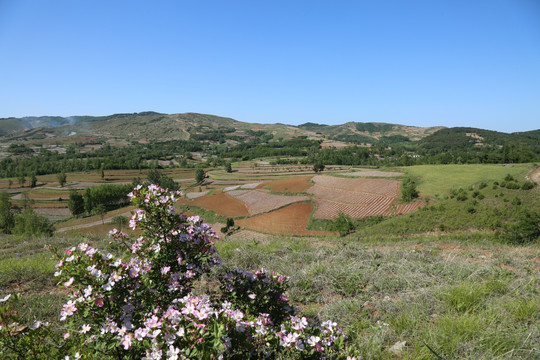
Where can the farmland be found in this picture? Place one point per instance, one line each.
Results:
(433, 271)
(251, 194)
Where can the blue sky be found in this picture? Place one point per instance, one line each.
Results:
(423, 63)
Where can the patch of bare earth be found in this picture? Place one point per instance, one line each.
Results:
(259, 201)
(290, 220)
(223, 204)
(536, 176)
(374, 173)
(358, 198)
(296, 184)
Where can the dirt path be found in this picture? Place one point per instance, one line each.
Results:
(535, 176)
(95, 223)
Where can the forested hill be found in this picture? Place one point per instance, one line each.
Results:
(369, 132)
(461, 138)
(148, 126)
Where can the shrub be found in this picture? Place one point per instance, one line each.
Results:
(343, 224)
(509, 177)
(119, 221)
(528, 185)
(512, 185)
(62, 178)
(7, 219)
(28, 223)
(461, 195)
(199, 176)
(144, 306)
(408, 190)
(162, 180)
(525, 230)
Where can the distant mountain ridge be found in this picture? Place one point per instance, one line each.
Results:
(149, 125)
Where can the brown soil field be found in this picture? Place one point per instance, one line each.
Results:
(351, 197)
(259, 201)
(195, 194)
(357, 198)
(536, 176)
(45, 194)
(296, 184)
(222, 203)
(407, 208)
(327, 144)
(373, 186)
(373, 173)
(290, 220)
(327, 209)
(46, 204)
(53, 211)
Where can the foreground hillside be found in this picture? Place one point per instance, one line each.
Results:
(466, 297)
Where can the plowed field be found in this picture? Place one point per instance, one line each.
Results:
(373, 186)
(296, 184)
(290, 220)
(357, 198)
(223, 204)
(407, 208)
(258, 201)
(373, 173)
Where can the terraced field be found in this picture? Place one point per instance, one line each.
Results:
(260, 201)
(357, 198)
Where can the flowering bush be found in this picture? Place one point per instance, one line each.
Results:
(143, 307)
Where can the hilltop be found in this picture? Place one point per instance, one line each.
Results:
(156, 126)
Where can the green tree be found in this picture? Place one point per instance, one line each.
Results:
(102, 171)
(10, 182)
(7, 220)
(162, 180)
(318, 167)
(343, 224)
(75, 203)
(100, 210)
(154, 176)
(28, 223)
(408, 190)
(22, 179)
(228, 167)
(62, 178)
(199, 176)
(33, 181)
(26, 201)
(120, 221)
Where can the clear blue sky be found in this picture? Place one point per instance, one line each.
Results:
(424, 63)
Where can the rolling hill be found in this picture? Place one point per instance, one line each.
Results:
(152, 126)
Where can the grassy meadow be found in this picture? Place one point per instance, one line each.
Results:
(438, 179)
(467, 297)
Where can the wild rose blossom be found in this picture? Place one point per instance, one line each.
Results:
(145, 302)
